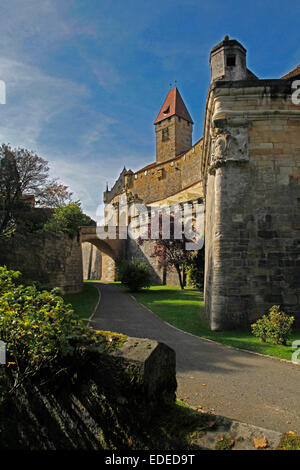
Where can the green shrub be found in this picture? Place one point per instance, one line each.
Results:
(275, 327)
(38, 327)
(134, 274)
(119, 261)
(260, 328)
(194, 271)
(68, 219)
(8, 279)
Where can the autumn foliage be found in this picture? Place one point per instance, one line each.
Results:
(24, 176)
(171, 252)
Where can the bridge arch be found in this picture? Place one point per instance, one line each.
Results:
(109, 250)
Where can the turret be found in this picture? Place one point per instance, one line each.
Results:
(228, 61)
(173, 128)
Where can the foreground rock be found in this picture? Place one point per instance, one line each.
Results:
(97, 401)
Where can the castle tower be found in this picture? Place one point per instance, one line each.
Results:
(228, 61)
(173, 128)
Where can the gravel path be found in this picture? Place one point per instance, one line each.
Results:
(233, 383)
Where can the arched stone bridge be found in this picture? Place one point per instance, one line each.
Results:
(110, 250)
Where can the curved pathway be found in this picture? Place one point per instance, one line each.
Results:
(240, 385)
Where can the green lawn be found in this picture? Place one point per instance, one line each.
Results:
(184, 309)
(83, 302)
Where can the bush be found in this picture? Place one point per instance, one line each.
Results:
(38, 327)
(275, 327)
(195, 271)
(134, 274)
(8, 279)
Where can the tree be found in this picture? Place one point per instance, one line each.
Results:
(10, 189)
(23, 173)
(68, 219)
(54, 195)
(134, 274)
(171, 253)
(195, 270)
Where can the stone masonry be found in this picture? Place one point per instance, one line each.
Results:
(91, 262)
(251, 165)
(51, 259)
(246, 170)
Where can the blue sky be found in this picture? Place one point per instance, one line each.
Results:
(86, 78)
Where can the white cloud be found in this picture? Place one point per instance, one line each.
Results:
(87, 173)
(33, 98)
(40, 22)
(106, 74)
(86, 179)
(37, 100)
(101, 129)
(27, 31)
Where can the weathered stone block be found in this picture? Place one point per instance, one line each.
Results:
(152, 367)
(98, 401)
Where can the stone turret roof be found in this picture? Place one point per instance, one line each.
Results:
(229, 43)
(173, 105)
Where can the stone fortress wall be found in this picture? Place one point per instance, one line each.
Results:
(159, 181)
(51, 259)
(246, 169)
(166, 179)
(252, 191)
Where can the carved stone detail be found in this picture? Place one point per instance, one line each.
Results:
(229, 144)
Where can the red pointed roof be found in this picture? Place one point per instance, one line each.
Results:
(293, 73)
(173, 105)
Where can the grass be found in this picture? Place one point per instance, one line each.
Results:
(185, 310)
(176, 427)
(224, 443)
(83, 302)
(290, 441)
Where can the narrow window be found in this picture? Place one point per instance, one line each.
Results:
(165, 134)
(231, 61)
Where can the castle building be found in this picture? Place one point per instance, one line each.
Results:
(246, 170)
(175, 175)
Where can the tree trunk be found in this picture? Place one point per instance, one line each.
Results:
(177, 267)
